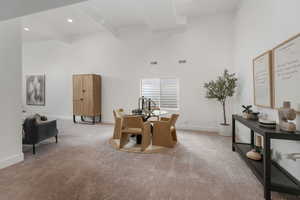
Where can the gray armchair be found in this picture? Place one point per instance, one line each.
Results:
(35, 130)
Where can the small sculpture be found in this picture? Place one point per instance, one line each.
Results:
(249, 114)
(247, 109)
(286, 114)
(255, 154)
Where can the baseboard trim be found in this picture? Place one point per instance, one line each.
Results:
(198, 128)
(11, 160)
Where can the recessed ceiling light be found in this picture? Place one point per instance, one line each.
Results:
(70, 20)
(26, 29)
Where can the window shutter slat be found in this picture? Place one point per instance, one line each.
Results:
(163, 91)
(168, 93)
(151, 89)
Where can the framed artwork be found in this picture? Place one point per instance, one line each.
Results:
(286, 73)
(35, 90)
(262, 80)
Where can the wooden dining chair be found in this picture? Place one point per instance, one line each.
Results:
(164, 132)
(118, 123)
(136, 126)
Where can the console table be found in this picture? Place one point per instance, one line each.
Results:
(272, 176)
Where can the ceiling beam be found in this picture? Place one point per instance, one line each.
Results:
(94, 14)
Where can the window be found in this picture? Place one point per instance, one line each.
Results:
(164, 92)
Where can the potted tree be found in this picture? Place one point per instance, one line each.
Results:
(221, 90)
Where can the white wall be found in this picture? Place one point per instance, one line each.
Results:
(260, 26)
(123, 61)
(10, 90)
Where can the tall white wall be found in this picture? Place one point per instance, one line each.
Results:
(124, 60)
(10, 90)
(260, 26)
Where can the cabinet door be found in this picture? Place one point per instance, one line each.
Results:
(88, 100)
(78, 107)
(77, 95)
(77, 87)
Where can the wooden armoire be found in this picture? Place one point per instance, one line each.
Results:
(87, 96)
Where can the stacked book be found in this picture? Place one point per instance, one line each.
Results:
(267, 123)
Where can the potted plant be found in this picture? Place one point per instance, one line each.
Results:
(221, 90)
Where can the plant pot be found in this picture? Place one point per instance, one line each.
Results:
(225, 130)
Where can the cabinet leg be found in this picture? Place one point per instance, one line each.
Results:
(74, 119)
(233, 134)
(33, 149)
(94, 119)
(56, 139)
(82, 118)
(268, 195)
(267, 168)
(252, 138)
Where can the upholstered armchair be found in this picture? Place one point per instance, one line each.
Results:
(164, 132)
(35, 130)
(135, 125)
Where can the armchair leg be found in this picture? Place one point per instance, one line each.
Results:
(56, 139)
(123, 140)
(33, 149)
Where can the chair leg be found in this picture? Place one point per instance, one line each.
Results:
(117, 129)
(174, 136)
(146, 141)
(146, 138)
(123, 140)
(56, 139)
(162, 136)
(33, 149)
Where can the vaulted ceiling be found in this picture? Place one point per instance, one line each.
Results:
(112, 15)
(16, 8)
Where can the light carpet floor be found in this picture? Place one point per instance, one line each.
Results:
(83, 166)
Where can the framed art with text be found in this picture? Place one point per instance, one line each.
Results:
(286, 73)
(262, 80)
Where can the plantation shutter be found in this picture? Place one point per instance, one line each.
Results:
(164, 92)
(151, 89)
(168, 93)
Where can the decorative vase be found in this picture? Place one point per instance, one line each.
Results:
(225, 130)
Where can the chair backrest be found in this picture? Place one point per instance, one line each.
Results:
(133, 122)
(173, 119)
(115, 114)
(118, 113)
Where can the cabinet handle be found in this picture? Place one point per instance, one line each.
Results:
(81, 99)
(83, 90)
